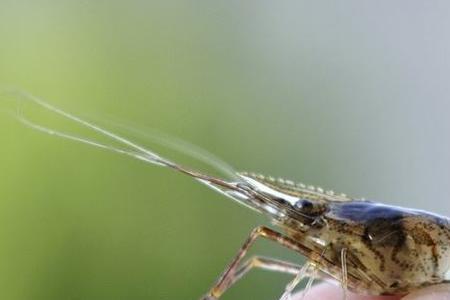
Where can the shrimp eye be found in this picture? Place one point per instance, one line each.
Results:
(307, 204)
(310, 208)
(304, 204)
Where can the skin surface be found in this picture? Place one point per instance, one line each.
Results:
(331, 292)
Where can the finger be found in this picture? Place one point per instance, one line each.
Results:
(332, 292)
(435, 292)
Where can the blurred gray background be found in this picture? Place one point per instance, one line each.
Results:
(350, 96)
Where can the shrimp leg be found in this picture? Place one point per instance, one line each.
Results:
(265, 263)
(304, 272)
(233, 270)
(344, 279)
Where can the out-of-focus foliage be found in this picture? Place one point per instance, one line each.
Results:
(352, 97)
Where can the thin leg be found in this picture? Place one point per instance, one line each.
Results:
(311, 279)
(228, 276)
(344, 279)
(310, 270)
(265, 263)
(297, 279)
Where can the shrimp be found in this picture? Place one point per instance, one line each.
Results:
(368, 247)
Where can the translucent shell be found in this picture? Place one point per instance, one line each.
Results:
(299, 190)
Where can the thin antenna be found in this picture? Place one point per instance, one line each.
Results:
(234, 190)
(179, 145)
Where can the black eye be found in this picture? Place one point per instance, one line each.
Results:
(304, 204)
(307, 204)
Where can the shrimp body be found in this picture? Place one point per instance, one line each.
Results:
(389, 249)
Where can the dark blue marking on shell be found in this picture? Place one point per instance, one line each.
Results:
(367, 211)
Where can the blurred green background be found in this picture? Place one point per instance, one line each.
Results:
(350, 96)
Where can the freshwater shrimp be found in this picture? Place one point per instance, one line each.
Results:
(368, 247)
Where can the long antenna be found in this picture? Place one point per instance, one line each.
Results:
(235, 190)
